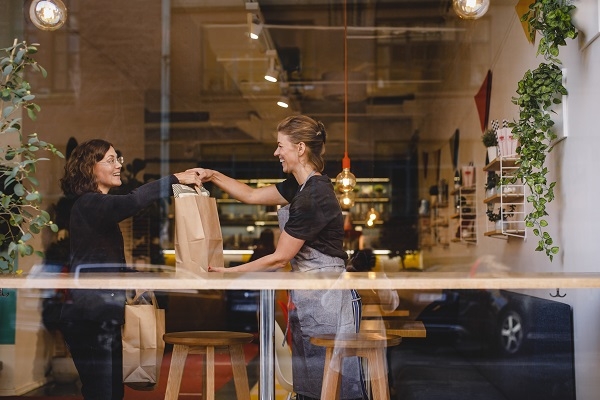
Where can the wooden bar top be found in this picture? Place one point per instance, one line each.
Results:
(375, 311)
(307, 281)
(403, 328)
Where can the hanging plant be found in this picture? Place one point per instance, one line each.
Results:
(538, 91)
(21, 214)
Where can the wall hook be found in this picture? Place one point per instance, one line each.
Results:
(557, 294)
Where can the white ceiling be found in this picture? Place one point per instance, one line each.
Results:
(401, 55)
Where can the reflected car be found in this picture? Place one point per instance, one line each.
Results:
(505, 322)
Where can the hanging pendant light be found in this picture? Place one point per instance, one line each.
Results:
(345, 180)
(48, 15)
(372, 216)
(346, 200)
(470, 9)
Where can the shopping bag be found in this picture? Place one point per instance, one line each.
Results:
(143, 345)
(198, 238)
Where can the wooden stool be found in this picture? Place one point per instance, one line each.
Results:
(206, 342)
(368, 345)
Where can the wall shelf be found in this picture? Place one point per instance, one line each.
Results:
(507, 199)
(439, 223)
(466, 215)
(241, 223)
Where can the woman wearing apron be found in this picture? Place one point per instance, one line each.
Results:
(311, 240)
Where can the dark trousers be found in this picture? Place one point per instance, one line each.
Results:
(97, 351)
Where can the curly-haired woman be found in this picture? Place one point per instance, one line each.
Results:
(91, 320)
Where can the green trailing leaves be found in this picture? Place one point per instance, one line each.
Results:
(538, 91)
(21, 215)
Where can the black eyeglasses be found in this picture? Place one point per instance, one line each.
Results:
(111, 161)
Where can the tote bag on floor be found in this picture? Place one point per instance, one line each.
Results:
(143, 344)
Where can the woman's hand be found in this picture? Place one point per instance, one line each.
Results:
(205, 175)
(189, 177)
(217, 269)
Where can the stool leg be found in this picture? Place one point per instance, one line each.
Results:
(178, 357)
(331, 375)
(210, 373)
(240, 375)
(378, 373)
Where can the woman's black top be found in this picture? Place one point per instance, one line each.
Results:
(97, 246)
(315, 214)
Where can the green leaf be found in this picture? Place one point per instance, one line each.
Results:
(31, 114)
(7, 70)
(33, 196)
(19, 189)
(7, 111)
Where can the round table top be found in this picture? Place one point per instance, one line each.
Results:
(361, 340)
(208, 338)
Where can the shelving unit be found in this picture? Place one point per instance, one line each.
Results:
(439, 224)
(241, 223)
(425, 236)
(466, 215)
(508, 199)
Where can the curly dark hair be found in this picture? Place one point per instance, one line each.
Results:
(79, 171)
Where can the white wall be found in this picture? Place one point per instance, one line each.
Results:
(573, 220)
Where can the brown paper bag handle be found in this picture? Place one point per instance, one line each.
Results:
(138, 293)
(202, 191)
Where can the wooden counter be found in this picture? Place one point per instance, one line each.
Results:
(288, 280)
(268, 282)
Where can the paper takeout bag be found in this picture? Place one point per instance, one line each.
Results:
(143, 345)
(198, 238)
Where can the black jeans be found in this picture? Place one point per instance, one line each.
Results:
(97, 351)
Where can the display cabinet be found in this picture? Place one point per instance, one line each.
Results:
(466, 215)
(506, 204)
(242, 223)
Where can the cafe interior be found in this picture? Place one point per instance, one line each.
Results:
(406, 90)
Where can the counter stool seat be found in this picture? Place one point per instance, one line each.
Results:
(207, 342)
(368, 345)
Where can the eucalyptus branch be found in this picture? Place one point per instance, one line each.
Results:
(21, 213)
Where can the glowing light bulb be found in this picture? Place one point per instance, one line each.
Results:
(346, 200)
(283, 102)
(255, 30)
(373, 214)
(345, 181)
(48, 15)
(470, 9)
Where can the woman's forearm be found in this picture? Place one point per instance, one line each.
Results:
(236, 189)
(267, 195)
(263, 264)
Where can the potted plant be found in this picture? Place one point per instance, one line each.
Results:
(538, 91)
(501, 216)
(491, 183)
(490, 141)
(21, 214)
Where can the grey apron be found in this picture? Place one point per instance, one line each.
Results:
(316, 312)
